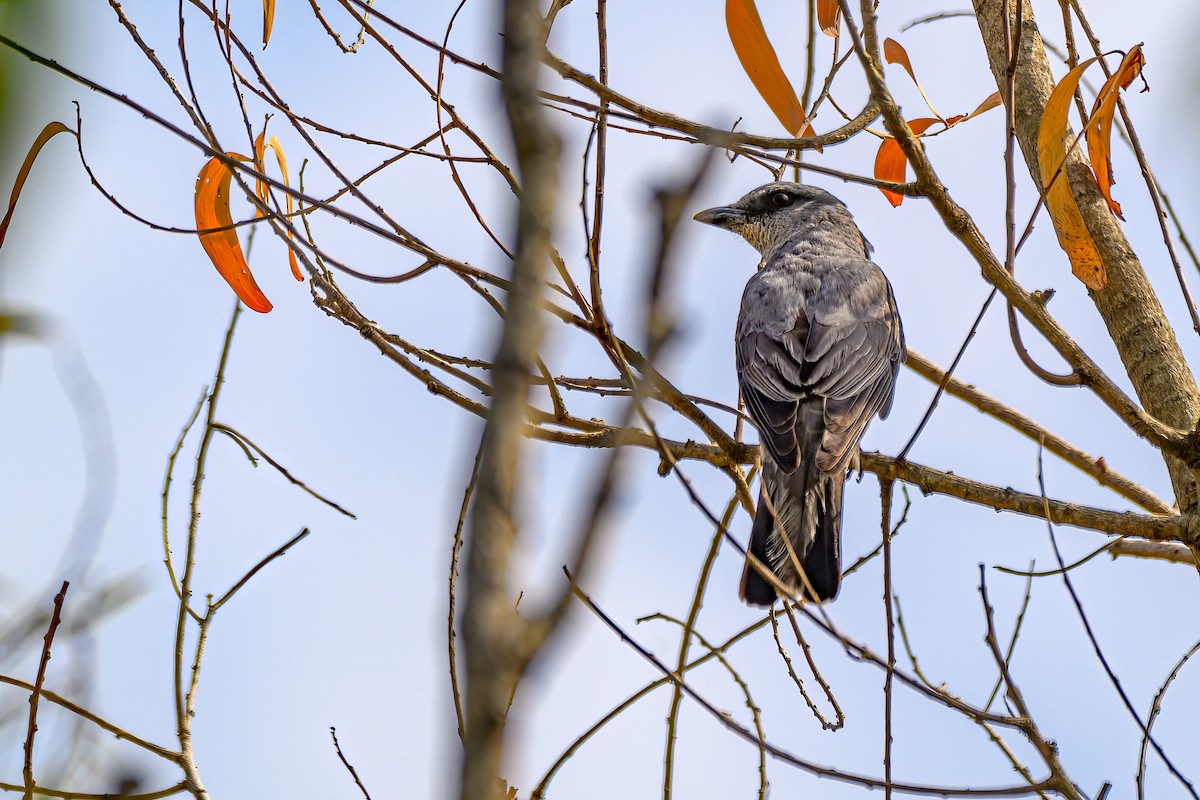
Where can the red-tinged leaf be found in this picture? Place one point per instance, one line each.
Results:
(890, 163)
(223, 248)
(1073, 235)
(268, 20)
(829, 13)
(49, 132)
(758, 58)
(1099, 133)
(260, 187)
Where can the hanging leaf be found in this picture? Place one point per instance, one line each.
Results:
(268, 20)
(49, 132)
(894, 53)
(890, 163)
(260, 187)
(1073, 235)
(828, 14)
(1098, 134)
(758, 58)
(223, 248)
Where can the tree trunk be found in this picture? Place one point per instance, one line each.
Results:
(1130, 309)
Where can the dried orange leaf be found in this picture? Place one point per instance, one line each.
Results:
(1099, 133)
(1073, 235)
(993, 101)
(212, 211)
(758, 58)
(890, 163)
(894, 53)
(260, 187)
(268, 20)
(48, 133)
(828, 14)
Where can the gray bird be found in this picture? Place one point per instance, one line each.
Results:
(819, 343)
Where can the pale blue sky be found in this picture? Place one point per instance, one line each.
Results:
(348, 629)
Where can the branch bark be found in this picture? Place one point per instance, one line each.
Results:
(497, 642)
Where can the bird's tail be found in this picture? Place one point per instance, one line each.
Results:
(808, 503)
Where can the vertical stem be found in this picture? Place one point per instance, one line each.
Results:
(885, 495)
(496, 641)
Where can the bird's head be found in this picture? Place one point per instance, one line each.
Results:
(778, 213)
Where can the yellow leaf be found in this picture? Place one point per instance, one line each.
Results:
(223, 248)
(828, 14)
(890, 163)
(260, 187)
(268, 20)
(758, 58)
(48, 133)
(1099, 133)
(1073, 235)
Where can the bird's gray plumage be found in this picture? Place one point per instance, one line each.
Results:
(818, 346)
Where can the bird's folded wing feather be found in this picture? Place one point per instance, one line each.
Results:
(847, 352)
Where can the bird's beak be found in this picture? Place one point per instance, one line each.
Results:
(721, 216)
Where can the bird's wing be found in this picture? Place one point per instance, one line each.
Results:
(843, 350)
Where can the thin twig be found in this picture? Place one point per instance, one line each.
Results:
(36, 694)
(276, 553)
(1155, 707)
(245, 441)
(1087, 627)
(349, 767)
(885, 517)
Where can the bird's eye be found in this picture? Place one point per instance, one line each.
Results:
(781, 199)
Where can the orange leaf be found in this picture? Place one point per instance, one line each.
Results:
(1073, 235)
(758, 58)
(268, 20)
(828, 14)
(993, 101)
(890, 163)
(260, 187)
(893, 53)
(1099, 133)
(212, 211)
(46, 135)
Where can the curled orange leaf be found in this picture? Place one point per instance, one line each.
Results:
(268, 20)
(260, 186)
(890, 163)
(828, 14)
(758, 58)
(1098, 133)
(222, 246)
(992, 101)
(1072, 232)
(49, 132)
